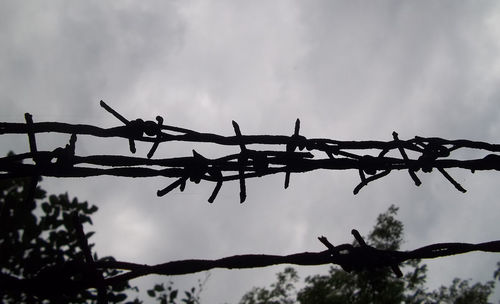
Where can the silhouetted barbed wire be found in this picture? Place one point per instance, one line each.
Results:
(349, 257)
(299, 155)
(78, 275)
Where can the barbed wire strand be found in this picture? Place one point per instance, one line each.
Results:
(350, 257)
(433, 153)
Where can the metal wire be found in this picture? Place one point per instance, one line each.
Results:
(300, 155)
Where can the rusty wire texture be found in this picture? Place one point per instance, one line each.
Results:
(300, 154)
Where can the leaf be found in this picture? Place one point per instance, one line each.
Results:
(74, 202)
(53, 200)
(173, 295)
(92, 209)
(46, 207)
(85, 219)
(159, 288)
(39, 193)
(119, 297)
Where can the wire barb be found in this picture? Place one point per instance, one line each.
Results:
(432, 153)
(242, 159)
(181, 183)
(295, 141)
(349, 257)
(217, 174)
(156, 131)
(405, 158)
(452, 181)
(34, 155)
(122, 119)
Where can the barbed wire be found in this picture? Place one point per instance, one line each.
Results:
(299, 156)
(79, 275)
(349, 257)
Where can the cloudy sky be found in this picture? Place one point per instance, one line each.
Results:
(347, 69)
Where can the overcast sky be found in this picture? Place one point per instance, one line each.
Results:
(347, 69)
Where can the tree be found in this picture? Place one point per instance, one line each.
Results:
(31, 246)
(39, 251)
(460, 292)
(373, 286)
(282, 292)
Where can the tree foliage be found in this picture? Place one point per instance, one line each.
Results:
(460, 292)
(378, 286)
(39, 246)
(281, 292)
(39, 251)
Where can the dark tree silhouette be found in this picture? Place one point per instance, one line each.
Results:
(41, 254)
(374, 286)
(41, 257)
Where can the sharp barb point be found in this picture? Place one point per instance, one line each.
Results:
(452, 180)
(358, 237)
(171, 187)
(297, 127)
(287, 179)
(216, 190)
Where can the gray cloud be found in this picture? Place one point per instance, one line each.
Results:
(348, 70)
(64, 58)
(407, 60)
